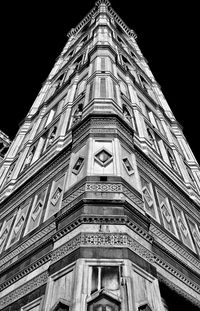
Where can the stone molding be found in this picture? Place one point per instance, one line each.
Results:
(108, 240)
(179, 291)
(119, 240)
(32, 242)
(102, 240)
(178, 249)
(166, 185)
(103, 187)
(35, 265)
(122, 220)
(48, 172)
(24, 289)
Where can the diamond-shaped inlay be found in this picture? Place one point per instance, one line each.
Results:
(103, 157)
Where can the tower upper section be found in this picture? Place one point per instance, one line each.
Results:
(101, 72)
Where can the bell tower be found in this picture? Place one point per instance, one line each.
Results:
(99, 190)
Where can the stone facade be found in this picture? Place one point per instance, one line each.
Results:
(100, 191)
(4, 145)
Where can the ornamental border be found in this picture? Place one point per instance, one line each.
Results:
(24, 289)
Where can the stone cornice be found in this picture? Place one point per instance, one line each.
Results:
(99, 239)
(28, 245)
(179, 252)
(24, 289)
(120, 240)
(179, 291)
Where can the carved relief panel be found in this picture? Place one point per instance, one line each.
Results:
(5, 229)
(36, 211)
(195, 233)
(55, 196)
(148, 197)
(166, 212)
(103, 157)
(183, 228)
(19, 223)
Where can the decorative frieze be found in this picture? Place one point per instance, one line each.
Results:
(30, 244)
(24, 289)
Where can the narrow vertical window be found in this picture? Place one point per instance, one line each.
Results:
(114, 91)
(103, 64)
(103, 87)
(91, 91)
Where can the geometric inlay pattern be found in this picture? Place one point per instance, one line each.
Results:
(103, 157)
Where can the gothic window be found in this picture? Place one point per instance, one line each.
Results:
(103, 87)
(105, 277)
(78, 166)
(77, 114)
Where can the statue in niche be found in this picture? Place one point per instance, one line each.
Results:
(29, 157)
(10, 172)
(151, 138)
(52, 136)
(77, 114)
(172, 160)
(126, 114)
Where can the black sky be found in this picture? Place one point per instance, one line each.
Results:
(34, 33)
